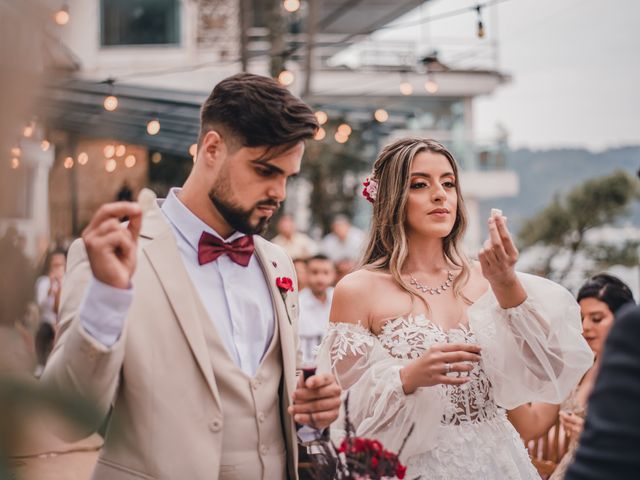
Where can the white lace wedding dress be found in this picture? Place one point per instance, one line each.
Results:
(533, 352)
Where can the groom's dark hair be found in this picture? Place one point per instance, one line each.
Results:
(256, 111)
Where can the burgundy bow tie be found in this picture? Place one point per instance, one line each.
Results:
(211, 247)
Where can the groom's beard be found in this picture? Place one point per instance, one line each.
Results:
(239, 218)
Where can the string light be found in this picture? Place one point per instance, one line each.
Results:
(322, 117)
(344, 129)
(62, 16)
(44, 145)
(15, 163)
(431, 85)
(291, 5)
(28, 130)
(83, 158)
(406, 88)
(193, 150)
(110, 165)
(109, 151)
(130, 161)
(286, 78)
(340, 137)
(381, 115)
(481, 31)
(156, 157)
(320, 134)
(110, 103)
(68, 163)
(16, 151)
(153, 127)
(121, 150)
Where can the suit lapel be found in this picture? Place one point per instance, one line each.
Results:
(282, 312)
(164, 256)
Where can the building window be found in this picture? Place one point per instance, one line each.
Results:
(140, 22)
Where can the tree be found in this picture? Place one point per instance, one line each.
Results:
(562, 225)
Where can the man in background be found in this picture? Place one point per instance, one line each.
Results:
(295, 243)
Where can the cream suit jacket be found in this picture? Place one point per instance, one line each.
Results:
(166, 407)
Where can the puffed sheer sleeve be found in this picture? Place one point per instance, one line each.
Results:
(534, 352)
(378, 406)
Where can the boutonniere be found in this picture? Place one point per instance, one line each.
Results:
(285, 285)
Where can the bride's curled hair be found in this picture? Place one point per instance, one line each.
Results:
(387, 246)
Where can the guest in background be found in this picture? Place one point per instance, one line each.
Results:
(344, 266)
(600, 298)
(300, 265)
(315, 304)
(344, 242)
(48, 288)
(296, 244)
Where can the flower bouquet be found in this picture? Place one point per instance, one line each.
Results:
(357, 458)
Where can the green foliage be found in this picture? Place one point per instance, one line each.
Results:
(563, 223)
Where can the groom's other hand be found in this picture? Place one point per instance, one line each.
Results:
(316, 401)
(111, 246)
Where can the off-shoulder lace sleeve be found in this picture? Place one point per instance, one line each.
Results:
(378, 406)
(534, 352)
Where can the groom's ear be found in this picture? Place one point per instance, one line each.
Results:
(214, 149)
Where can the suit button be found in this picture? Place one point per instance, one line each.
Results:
(263, 449)
(261, 417)
(215, 426)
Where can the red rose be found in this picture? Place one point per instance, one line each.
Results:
(374, 463)
(401, 471)
(285, 284)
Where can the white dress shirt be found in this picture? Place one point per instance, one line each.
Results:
(314, 319)
(352, 247)
(236, 298)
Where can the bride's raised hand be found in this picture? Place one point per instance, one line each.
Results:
(434, 365)
(499, 254)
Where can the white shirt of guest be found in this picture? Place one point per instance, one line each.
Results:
(236, 298)
(314, 319)
(352, 247)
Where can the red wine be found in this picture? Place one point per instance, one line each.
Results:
(308, 372)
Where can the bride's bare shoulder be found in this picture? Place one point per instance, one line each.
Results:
(353, 294)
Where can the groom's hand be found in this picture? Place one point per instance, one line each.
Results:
(316, 401)
(111, 247)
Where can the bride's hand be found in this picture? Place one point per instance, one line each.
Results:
(499, 255)
(433, 366)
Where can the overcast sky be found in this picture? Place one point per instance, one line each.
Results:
(575, 67)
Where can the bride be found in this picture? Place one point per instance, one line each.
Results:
(419, 335)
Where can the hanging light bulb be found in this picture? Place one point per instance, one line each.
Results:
(344, 129)
(68, 163)
(320, 134)
(286, 77)
(15, 163)
(156, 157)
(153, 127)
(481, 31)
(381, 115)
(29, 129)
(406, 88)
(62, 16)
(110, 103)
(110, 165)
(16, 151)
(83, 158)
(322, 117)
(431, 85)
(193, 150)
(130, 161)
(120, 150)
(341, 137)
(291, 5)
(44, 145)
(109, 150)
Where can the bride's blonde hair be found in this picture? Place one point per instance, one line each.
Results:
(387, 247)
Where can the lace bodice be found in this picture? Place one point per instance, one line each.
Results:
(408, 337)
(530, 353)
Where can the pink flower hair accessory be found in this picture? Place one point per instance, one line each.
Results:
(370, 190)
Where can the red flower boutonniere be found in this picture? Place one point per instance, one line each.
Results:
(285, 285)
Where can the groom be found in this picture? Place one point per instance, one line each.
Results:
(184, 323)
